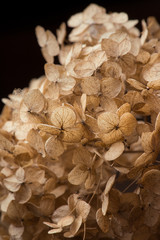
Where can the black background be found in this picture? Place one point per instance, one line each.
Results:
(20, 56)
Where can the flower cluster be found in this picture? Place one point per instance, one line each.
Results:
(79, 147)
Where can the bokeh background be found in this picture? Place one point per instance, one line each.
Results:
(20, 56)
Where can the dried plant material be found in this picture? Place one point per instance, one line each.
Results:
(111, 87)
(103, 221)
(36, 141)
(114, 151)
(34, 100)
(48, 43)
(54, 147)
(79, 147)
(153, 73)
(90, 85)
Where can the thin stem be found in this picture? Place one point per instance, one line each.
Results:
(130, 184)
(84, 232)
(133, 151)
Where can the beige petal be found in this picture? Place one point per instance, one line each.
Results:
(83, 209)
(34, 100)
(74, 227)
(63, 117)
(92, 10)
(47, 204)
(54, 147)
(52, 44)
(110, 47)
(60, 212)
(143, 56)
(61, 33)
(127, 124)
(97, 58)
(111, 137)
(102, 221)
(136, 84)
(90, 85)
(41, 36)
(157, 123)
(84, 68)
(107, 121)
(5, 202)
(153, 73)
(48, 58)
(66, 221)
(48, 129)
(105, 204)
(91, 179)
(146, 142)
(15, 232)
(75, 20)
(111, 69)
(120, 18)
(150, 180)
(78, 175)
(12, 183)
(59, 191)
(66, 83)
(109, 184)
(124, 47)
(111, 87)
(115, 150)
(72, 135)
(52, 72)
(154, 84)
(23, 194)
(34, 174)
(20, 174)
(82, 156)
(36, 141)
(126, 107)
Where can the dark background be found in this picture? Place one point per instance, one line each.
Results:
(20, 56)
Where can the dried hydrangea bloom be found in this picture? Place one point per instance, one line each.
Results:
(79, 147)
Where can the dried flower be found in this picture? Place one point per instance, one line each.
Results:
(79, 147)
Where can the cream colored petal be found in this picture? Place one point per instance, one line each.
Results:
(84, 68)
(48, 58)
(41, 36)
(102, 221)
(110, 47)
(124, 47)
(75, 20)
(111, 137)
(48, 129)
(154, 84)
(120, 18)
(136, 84)
(54, 147)
(36, 141)
(109, 184)
(153, 73)
(107, 121)
(52, 44)
(5, 202)
(115, 150)
(111, 87)
(78, 175)
(105, 204)
(63, 117)
(52, 72)
(127, 124)
(90, 85)
(83, 209)
(66, 83)
(34, 100)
